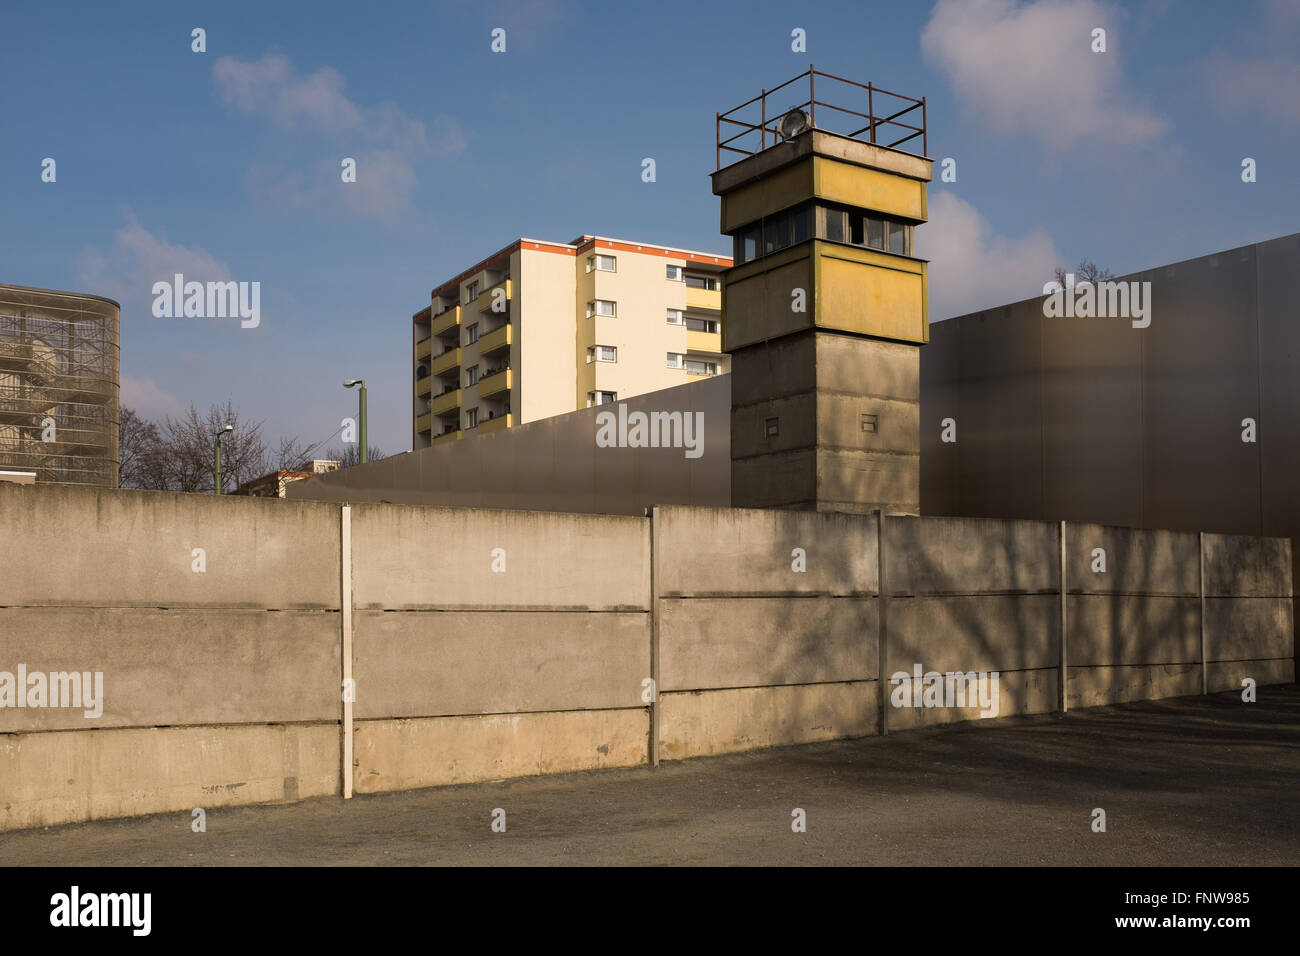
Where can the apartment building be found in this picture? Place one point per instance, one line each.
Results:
(543, 328)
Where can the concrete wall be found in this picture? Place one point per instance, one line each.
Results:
(489, 644)
(554, 464)
(219, 684)
(1093, 419)
(752, 652)
(497, 643)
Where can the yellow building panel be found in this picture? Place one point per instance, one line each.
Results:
(496, 424)
(782, 189)
(504, 295)
(492, 384)
(860, 296)
(454, 436)
(423, 386)
(760, 299)
(496, 339)
(445, 402)
(703, 341)
(868, 188)
(703, 299)
(424, 423)
(446, 361)
(441, 323)
(422, 349)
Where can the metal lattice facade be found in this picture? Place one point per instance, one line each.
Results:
(59, 386)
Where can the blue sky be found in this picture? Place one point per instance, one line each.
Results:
(225, 164)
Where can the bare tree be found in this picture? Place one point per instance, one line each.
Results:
(177, 454)
(350, 455)
(1088, 272)
(289, 455)
(140, 457)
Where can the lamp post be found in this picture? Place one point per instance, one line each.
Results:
(361, 415)
(216, 458)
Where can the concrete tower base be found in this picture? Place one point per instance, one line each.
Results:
(846, 415)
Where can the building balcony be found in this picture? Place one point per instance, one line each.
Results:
(704, 342)
(496, 340)
(495, 424)
(447, 437)
(423, 386)
(423, 423)
(445, 362)
(708, 299)
(446, 320)
(445, 402)
(494, 383)
(487, 295)
(423, 349)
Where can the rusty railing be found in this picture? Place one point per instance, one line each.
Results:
(835, 118)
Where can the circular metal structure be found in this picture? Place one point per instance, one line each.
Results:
(59, 385)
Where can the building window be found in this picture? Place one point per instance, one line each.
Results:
(675, 359)
(471, 417)
(676, 274)
(746, 248)
(471, 374)
(702, 282)
(772, 427)
(603, 307)
(601, 398)
(897, 238)
(602, 353)
(675, 317)
(471, 333)
(605, 263)
(799, 226)
(834, 228)
(694, 367)
(701, 325)
(471, 292)
(866, 230)
(875, 233)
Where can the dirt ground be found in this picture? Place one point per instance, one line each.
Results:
(1192, 781)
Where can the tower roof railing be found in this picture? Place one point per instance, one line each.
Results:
(752, 126)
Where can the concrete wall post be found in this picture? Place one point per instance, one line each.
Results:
(882, 599)
(655, 551)
(345, 606)
(1061, 695)
(1205, 658)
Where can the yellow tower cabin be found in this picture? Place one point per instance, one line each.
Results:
(825, 306)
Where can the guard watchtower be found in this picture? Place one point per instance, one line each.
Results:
(825, 306)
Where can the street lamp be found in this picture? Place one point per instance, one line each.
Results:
(362, 415)
(216, 458)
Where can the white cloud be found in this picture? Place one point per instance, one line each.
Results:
(971, 268)
(147, 399)
(136, 259)
(385, 140)
(269, 87)
(1030, 68)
